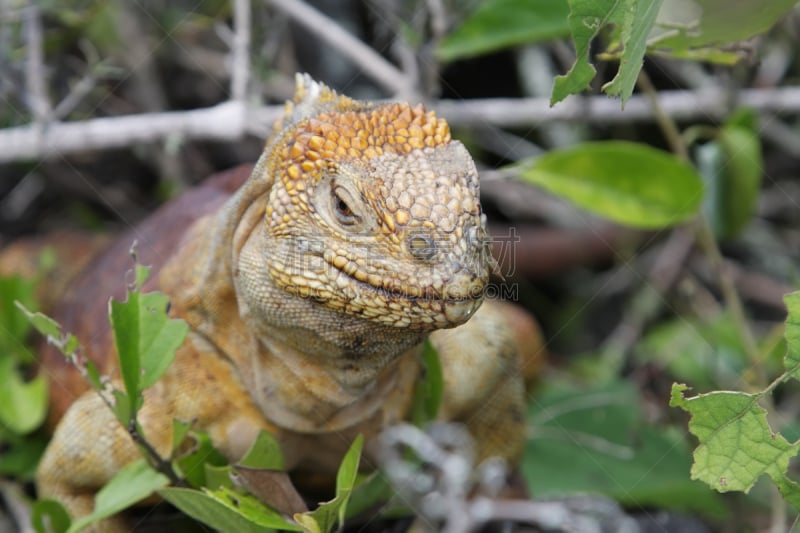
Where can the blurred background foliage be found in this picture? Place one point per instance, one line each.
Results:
(625, 311)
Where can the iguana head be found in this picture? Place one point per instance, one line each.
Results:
(374, 212)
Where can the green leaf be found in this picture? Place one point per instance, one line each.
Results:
(743, 117)
(252, 509)
(192, 463)
(309, 523)
(688, 25)
(743, 168)
(272, 487)
(627, 182)
(632, 21)
(429, 389)
(14, 326)
(43, 323)
(218, 476)
(636, 26)
(325, 517)
(142, 273)
(737, 446)
(66, 343)
(369, 493)
(736, 443)
(146, 339)
(710, 55)
(180, 432)
(227, 510)
(732, 167)
(792, 333)
(133, 483)
(124, 407)
(23, 405)
(497, 24)
(601, 434)
(789, 489)
(265, 452)
(52, 513)
(21, 455)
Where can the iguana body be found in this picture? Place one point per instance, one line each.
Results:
(309, 292)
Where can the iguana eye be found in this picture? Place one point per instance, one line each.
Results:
(344, 214)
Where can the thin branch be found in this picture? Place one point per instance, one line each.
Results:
(5, 48)
(232, 120)
(781, 135)
(753, 286)
(711, 104)
(665, 121)
(706, 239)
(579, 514)
(240, 50)
(438, 18)
(156, 461)
(18, 506)
(38, 101)
(225, 121)
(328, 30)
(650, 299)
(76, 95)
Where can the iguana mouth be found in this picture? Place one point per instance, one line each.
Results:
(376, 283)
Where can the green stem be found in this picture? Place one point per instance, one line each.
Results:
(732, 300)
(159, 463)
(665, 122)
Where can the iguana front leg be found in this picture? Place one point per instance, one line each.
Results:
(484, 363)
(90, 445)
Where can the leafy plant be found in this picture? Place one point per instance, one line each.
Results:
(688, 29)
(631, 21)
(23, 401)
(146, 340)
(626, 182)
(731, 164)
(638, 186)
(737, 444)
(230, 510)
(497, 24)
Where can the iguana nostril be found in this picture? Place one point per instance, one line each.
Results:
(422, 246)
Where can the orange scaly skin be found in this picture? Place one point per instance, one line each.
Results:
(308, 293)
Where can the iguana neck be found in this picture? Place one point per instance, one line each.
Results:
(294, 392)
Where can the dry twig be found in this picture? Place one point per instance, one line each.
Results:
(38, 101)
(240, 50)
(375, 66)
(231, 120)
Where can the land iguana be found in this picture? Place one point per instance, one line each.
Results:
(309, 290)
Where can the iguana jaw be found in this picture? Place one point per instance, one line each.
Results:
(413, 293)
(454, 303)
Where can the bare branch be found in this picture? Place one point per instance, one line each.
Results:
(18, 506)
(710, 103)
(240, 68)
(76, 94)
(232, 120)
(38, 102)
(225, 121)
(365, 57)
